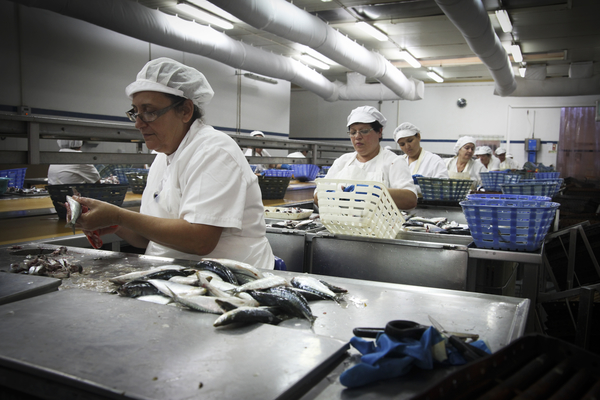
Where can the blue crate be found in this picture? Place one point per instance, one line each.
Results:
(305, 172)
(509, 224)
(280, 173)
(493, 179)
(479, 196)
(437, 189)
(534, 187)
(547, 175)
(16, 177)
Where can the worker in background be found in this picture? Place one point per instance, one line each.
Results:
(298, 154)
(370, 161)
(462, 165)
(61, 174)
(259, 152)
(487, 159)
(420, 161)
(505, 162)
(201, 198)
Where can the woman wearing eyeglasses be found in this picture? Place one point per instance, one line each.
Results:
(371, 162)
(201, 198)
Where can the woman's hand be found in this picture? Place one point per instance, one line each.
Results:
(100, 216)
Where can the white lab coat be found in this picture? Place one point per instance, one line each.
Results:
(473, 168)
(386, 168)
(61, 174)
(208, 181)
(428, 165)
(509, 163)
(264, 153)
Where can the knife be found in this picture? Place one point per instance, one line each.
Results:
(439, 328)
(468, 351)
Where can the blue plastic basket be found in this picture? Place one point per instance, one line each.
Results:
(305, 172)
(436, 189)
(16, 177)
(533, 188)
(493, 179)
(121, 173)
(280, 173)
(480, 196)
(509, 224)
(547, 175)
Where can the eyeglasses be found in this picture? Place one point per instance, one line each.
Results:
(363, 132)
(151, 116)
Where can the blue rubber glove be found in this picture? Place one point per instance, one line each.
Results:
(349, 188)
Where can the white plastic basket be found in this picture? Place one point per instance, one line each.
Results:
(367, 211)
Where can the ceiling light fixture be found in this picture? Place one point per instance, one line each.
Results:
(258, 78)
(516, 53)
(410, 59)
(204, 16)
(435, 76)
(371, 30)
(307, 58)
(504, 20)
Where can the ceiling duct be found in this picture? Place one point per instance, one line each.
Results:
(473, 22)
(288, 21)
(132, 19)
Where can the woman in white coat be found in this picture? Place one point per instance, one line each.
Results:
(463, 164)
(419, 161)
(61, 174)
(484, 156)
(201, 198)
(371, 162)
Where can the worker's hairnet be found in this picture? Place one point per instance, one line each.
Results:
(405, 129)
(480, 151)
(257, 133)
(69, 144)
(509, 155)
(500, 150)
(462, 141)
(366, 115)
(169, 76)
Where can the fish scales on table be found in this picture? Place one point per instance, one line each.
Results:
(225, 273)
(246, 315)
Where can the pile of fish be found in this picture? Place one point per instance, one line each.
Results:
(237, 291)
(47, 265)
(434, 225)
(295, 224)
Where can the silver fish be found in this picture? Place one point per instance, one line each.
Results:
(287, 300)
(264, 283)
(140, 274)
(313, 285)
(247, 315)
(199, 303)
(239, 268)
(74, 212)
(156, 298)
(168, 288)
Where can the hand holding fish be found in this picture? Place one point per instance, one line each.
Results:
(98, 217)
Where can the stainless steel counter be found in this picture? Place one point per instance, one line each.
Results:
(15, 287)
(101, 345)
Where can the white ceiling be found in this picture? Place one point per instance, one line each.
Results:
(554, 33)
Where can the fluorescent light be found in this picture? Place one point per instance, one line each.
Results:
(516, 53)
(204, 16)
(371, 30)
(259, 78)
(313, 61)
(435, 76)
(410, 59)
(504, 20)
(315, 54)
(211, 8)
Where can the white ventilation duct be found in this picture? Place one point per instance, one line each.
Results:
(137, 21)
(288, 21)
(473, 22)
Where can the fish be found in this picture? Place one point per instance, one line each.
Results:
(248, 315)
(139, 274)
(165, 274)
(156, 298)
(289, 301)
(333, 288)
(264, 283)
(239, 268)
(137, 288)
(168, 288)
(219, 269)
(314, 285)
(74, 211)
(205, 304)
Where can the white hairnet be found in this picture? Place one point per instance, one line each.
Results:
(483, 150)
(366, 115)
(257, 133)
(405, 129)
(500, 150)
(462, 141)
(169, 76)
(509, 155)
(69, 144)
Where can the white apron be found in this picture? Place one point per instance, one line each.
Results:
(354, 172)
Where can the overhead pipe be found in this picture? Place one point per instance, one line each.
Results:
(140, 22)
(473, 22)
(288, 21)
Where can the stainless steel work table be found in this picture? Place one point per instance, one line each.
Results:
(79, 341)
